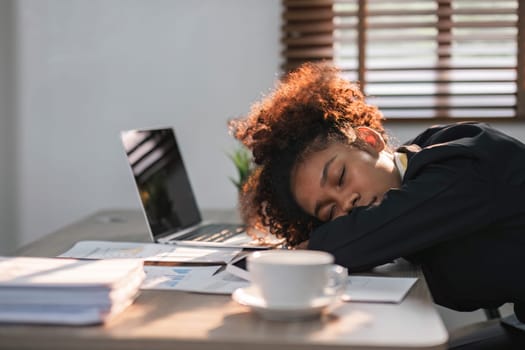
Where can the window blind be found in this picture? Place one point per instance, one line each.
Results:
(417, 58)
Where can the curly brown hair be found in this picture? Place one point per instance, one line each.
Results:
(309, 108)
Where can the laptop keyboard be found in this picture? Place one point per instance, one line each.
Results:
(212, 233)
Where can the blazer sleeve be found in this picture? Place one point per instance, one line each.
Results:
(444, 200)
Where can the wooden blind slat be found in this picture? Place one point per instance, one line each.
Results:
(312, 27)
(430, 12)
(520, 105)
(309, 15)
(440, 106)
(436, 68)
(428, 54)
(438, 25)
(307, 3)
(441, 38)
(321, 52)
(437, 81)
(438, 94)
(309, 40)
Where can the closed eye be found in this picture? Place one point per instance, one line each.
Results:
(342, 176)
(331, 214)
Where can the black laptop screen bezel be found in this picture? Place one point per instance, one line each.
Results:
(162, 182)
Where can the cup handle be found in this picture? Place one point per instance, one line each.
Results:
(338, 281)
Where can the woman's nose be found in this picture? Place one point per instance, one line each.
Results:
(346, 204)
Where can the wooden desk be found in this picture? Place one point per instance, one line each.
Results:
(178, 320)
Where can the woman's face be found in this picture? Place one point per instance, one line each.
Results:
(329, 183)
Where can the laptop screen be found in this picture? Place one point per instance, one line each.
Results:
(162, 181)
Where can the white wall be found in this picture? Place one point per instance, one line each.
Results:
(90, 68)
(87, 69)
(7, 144)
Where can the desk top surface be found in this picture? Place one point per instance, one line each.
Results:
(168, 319)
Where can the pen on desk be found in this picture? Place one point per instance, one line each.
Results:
(220, 269)
(181, 263)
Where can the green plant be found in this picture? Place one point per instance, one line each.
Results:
(242, 159)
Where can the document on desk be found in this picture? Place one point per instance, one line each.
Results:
(204, 279)
(377, 289)
(150, 252)
(201, 279)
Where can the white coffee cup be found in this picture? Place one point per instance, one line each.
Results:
(295, 278)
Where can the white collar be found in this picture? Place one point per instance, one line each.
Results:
(401, 162)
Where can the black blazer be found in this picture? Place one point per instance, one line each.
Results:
(460, 214)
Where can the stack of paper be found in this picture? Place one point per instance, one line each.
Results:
(66, 291)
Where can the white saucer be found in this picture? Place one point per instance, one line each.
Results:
(250, 296)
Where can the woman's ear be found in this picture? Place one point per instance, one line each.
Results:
(371, 137)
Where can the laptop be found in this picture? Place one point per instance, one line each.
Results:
(166, 194)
